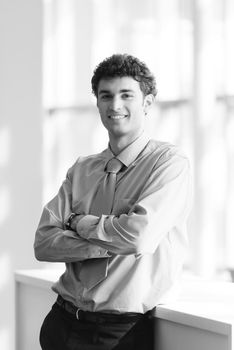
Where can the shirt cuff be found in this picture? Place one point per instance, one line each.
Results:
(96, 252)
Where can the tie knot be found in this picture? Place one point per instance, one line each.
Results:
(113, 166)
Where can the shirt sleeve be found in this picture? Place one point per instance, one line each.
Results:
(53, 242)
(162, 207)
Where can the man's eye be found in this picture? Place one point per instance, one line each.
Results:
(127, 96)
(105, 97)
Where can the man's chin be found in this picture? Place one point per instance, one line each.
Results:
(117, 132)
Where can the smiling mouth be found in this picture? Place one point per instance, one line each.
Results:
(117, 117)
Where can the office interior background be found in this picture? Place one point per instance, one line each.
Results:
(48, 116)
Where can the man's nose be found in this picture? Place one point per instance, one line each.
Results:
(116, 104)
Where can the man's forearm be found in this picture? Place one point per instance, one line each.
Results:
(54, 243)
(65, 247)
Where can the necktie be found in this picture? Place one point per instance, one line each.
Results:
(94, 271)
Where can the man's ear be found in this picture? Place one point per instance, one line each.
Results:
(148, 101)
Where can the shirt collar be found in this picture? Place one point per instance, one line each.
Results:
(130, 153)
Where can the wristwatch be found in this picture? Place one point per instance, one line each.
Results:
(69, 221)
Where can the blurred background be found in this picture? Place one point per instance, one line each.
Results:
(48, 116)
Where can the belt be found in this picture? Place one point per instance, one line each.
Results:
(97, 317)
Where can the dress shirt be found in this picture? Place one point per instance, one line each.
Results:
(144, 236)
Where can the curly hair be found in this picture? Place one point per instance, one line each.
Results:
(124, 65)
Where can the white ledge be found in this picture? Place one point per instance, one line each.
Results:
(207, 305)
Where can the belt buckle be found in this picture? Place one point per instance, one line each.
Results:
(77, 313)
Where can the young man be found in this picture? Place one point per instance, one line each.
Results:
(117, 222)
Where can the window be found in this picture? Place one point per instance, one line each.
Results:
(188, 45)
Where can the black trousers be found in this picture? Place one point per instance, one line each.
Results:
(62, 331)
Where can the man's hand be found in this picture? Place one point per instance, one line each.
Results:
(75, 221)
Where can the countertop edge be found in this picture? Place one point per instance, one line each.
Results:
(45, 278)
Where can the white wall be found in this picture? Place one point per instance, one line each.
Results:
(20, 147)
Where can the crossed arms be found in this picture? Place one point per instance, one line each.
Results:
(163, 204)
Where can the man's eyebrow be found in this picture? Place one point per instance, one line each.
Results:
(109, 92)
(104, 92)
(126, 90)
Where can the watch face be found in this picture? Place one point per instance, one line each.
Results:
(69, 220)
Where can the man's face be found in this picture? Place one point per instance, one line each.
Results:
(122, 106)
